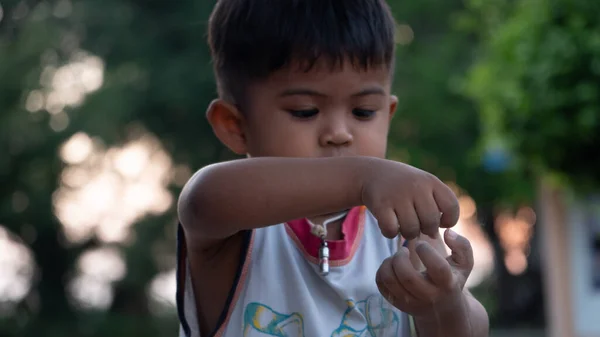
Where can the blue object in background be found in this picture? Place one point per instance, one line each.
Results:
(496, 159)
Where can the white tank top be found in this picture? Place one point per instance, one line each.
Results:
(279, 290)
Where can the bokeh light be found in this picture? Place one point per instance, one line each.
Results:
(17, 269)
(515, 232)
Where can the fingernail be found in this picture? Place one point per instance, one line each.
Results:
(452, 234)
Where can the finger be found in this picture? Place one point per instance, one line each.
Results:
(409, 222)
(413, 256)
(399, 297)
(429, 215)
(412, 280)
(387, 220)
(447, 204)
(389, 287)
(438, 268)
(462, 252)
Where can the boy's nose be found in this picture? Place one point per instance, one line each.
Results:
(336, 135)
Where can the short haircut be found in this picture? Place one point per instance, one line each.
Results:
(251, 39)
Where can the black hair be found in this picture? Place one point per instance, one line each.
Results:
(251, 39)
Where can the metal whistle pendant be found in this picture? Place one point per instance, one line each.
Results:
(321, 232)
(324, 258)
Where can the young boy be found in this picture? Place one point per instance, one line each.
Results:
(304, 93)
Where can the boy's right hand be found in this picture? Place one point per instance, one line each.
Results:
(408, 201)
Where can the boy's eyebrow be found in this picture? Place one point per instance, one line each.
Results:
(301, 92)
(375, 90)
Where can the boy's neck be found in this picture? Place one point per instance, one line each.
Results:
(334, 229)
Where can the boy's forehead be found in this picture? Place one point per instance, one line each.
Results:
(325, 77)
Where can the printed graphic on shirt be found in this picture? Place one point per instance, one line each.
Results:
(372, 317)
(268, 322)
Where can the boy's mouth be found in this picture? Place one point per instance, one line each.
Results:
(338, 152)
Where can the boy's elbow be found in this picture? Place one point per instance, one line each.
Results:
(189, 210)
(195, 208)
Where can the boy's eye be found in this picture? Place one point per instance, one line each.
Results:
(305, 114)
(363, 113)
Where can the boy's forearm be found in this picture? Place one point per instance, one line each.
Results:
(225, 198)
(475, 324)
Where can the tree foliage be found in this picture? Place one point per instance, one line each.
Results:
(537, 83)
(156, 78)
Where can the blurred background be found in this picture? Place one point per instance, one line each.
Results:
(102, 122)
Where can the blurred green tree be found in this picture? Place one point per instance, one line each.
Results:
(156, 77)
(438, 129)
(537, 83)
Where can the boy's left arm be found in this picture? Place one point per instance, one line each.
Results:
(426, 284)
(472, 321)
(473, 314)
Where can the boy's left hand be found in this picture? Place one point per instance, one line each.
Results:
(438, 290)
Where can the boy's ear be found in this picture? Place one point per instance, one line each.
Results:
(228, 125)
(393, 105)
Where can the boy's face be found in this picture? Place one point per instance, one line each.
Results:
(319, 113)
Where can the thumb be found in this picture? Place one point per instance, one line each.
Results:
(462, 252)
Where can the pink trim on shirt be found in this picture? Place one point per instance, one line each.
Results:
(338, 249)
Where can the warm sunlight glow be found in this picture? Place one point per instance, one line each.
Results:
(469, 227)
(162, 290)
(103, 264)
(76, 149)
(16, 266)
(103, 192)
(516, 262)
(467, 207)
(35, 101)
(97, 269)
(71, 82)
(131, 161)
(66, 86)
(91, 293)
(514, 232)
(483, 251)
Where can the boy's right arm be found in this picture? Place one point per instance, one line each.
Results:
(223, 199)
